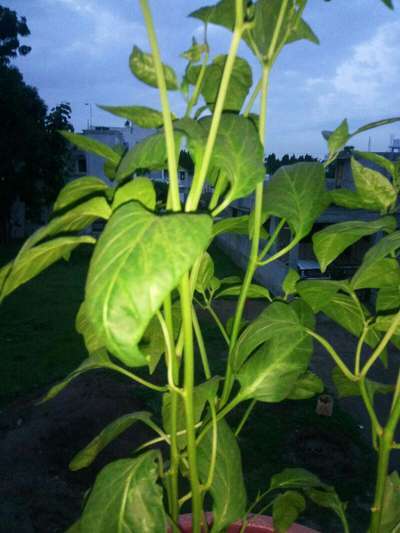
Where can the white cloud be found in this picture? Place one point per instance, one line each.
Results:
(366, 83)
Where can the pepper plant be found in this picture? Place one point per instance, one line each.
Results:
(150, 271)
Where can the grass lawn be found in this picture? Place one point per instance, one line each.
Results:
(39, 346)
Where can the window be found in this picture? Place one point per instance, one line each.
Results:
(82, 164)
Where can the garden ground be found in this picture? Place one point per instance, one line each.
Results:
(39, 346)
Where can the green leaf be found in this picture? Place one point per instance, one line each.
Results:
(348, 198)
(222, 14)
(387, 246)
(227, 489)
(298, 194)
(286, 509)
(391, 504)
(79, 189)
(205, 273)
(383, 273)
(83, 326)
(232, 225)
(149, 153)
(376, 124)
(388, 3)
(338, 137)
(143, 67)
(145, 117)
(375, 189)
(307, 386)
(85, 457)
(318, 293)
(304, 312)
(85, 143)
(98, 360)
(194, 53)
(37, 259)
(383, 323)
(75, 528)
(203, 393)
(254, 291)
(260, 37)
(277, 320)
(109, 168)
(75, 219)
(238, 153)
(295, 478)
(329, 499)
(388, 299)
(378, 160)
(331, 241)
(152, 344)
(346, 388)
(230, 280)
(289, 283)
(4, 273)
(240, 83)
(140, 189)
(139, 259)
(126, 498)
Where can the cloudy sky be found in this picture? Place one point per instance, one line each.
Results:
(80, 52)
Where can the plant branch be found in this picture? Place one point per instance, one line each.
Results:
(199, 82)
(201, 345)
(136, 378)
(382, 345)
(218, 322)
(245, 417)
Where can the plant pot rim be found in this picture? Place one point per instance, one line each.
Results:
(257, 524)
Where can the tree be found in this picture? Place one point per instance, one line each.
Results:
(272, 163)
(11, 27)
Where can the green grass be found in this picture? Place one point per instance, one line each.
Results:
(38, 341)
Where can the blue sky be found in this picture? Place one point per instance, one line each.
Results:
(80, 52)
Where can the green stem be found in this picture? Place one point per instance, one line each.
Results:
(272, 239)
(245, 417)
(136, 378)
(201, 345)
(280, 253)
(360, 344)
(382, 345)
(333, 353)
(255, 242)
(252, 99)
(186, 302)
(214, 446)
(196, 92)
(218, 322)
(167, 119)
(375, 425)
(197, 186)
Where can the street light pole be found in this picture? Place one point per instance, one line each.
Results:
(90, 122)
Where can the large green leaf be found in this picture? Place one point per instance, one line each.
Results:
(126, 498)
(277, 320)
(266, 14)
(98, 360)
(388, 299)
(271, 373)
(330, 499)
(222, 14)
(374, 188)
(383, 323)
(298, 194)
(83, 326)
(238, 153)
(36, 259)
(383, 273)
(139, 259)
(307, 386)
(338, 137)
(75, 219)
(143, 67)
(79, 189)
(140, 189)
(376, 124)
(151, 153)
(85, 457)
(87, 144)
(286, 508)
(4, 272)
(240, 83)
(378, 160)
(145, 117)
(227, 488)
(289, 283)
(347, 198)
(203, 393)
(391, 504)
(295, 478)
(331, 241)
(346, 388)
(254, 291)
(318, 293)
(387, 246)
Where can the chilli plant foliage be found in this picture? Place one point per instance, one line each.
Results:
(150, 272)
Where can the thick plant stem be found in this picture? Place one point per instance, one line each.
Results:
(385, 447)
(196, 92)
(186, 302)
(253, 259)
(167, 119)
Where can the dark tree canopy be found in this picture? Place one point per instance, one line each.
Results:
(272, 163)
(11, 28)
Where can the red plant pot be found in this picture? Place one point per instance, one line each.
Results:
(257, 524)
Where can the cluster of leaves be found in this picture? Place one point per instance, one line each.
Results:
(150, 265)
